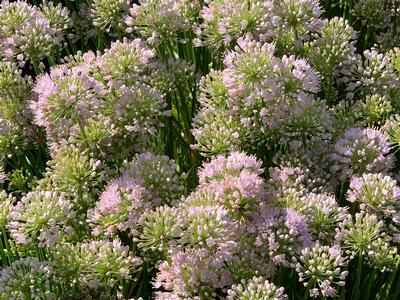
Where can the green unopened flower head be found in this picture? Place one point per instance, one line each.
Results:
(256, 288)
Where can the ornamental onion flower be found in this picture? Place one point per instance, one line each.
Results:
(231, 165)
(158, 230)
(157, 174)
(355, 237)
(216, 132)
(256, 288)
(375, 192)
(283, 233)
(321, 268)
(109, 15)
(42, 218)
(374, 110)
(6, 206)
(361, 150)
(94, 268)
(295, 20)
(224, 22)
(158, 21)
(121, 207)
(76, 175)
(374, 75)
(27, 278)
(191, 273)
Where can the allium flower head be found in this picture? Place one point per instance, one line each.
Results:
(57, 15)
(213, 91)
(157, 174)
(356, 237)
(66, 96)
(375, 192)
(15, 118)
(27, 278)
(241, 194)
(6, 206)
(283, 232)
(192, 274)
(216, 132)
(375, 75)
(361, 150)
(332, 48)
(125, 61)
(297, 75)
(41, 217)
(158, 229)
(304, 166)
(15, 90)
(120, 208)
(202, 196)
(248, 260)
(109, 14)
(256, 288)
(295, 19)
(207, 227)
(382, 255)
(36, 40)
(156, 21)
(231, 165)
(392, 129)
(98, 102)
(265, 90)
(136, 113)
(323, 213)
(288, 180)
(13, 15)
(224, 22)
(374, 110)
(249, 67)
(78, 176)
(94, 265)
(305, 120)
(371, 12)
(236, 181)
(322, 267)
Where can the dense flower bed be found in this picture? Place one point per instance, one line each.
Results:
(200, 149)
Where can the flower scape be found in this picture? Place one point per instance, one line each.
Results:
(199, 149)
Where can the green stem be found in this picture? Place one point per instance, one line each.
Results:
(5, 237)
(371, 280)
(391, 279)
(307, 292)
(4, 256)
(356, 291)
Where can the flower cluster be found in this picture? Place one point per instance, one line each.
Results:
(32, 33)
(6, 206)
(259, 97)
(27, 278)
(99, 104)
(375, 191)
(361, 150)
(94, 268)
(321, 270)
(256, 288)
(41, 217)
(109, 14)
(159, 21)
(16, 129)
(190, 149)
(120, 207)
(147, 181)
(225, 21)
(157, 174)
